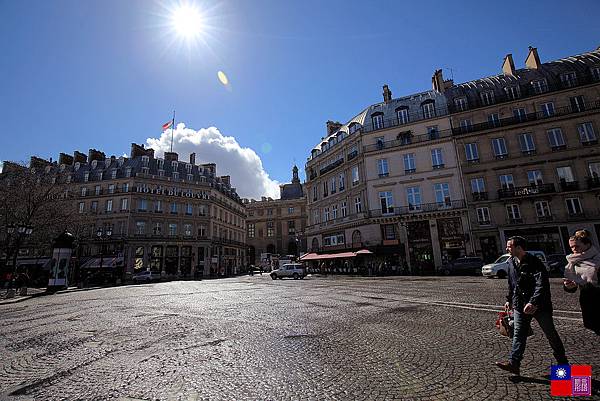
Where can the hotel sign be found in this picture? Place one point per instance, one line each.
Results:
(181, 193)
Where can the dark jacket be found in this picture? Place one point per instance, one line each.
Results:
(528, 283)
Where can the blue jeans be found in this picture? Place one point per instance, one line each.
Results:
(521, 325)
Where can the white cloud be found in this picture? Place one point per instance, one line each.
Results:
(242, 164)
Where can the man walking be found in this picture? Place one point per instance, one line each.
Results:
(529, 296)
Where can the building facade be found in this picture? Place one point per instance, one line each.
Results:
(528, 146)
(277, 226)
(456, 170)
(175, 218)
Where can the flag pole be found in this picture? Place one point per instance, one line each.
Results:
(172, 128)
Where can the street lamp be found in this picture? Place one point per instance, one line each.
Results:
(103, 235)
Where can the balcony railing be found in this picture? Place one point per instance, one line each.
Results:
(421, 208)
(526, 191)
(538, 115)
(545, 219)
(593, 182)
(333, 165)
(480, 196)
(526, 91)
(403, 141)
(569, 186)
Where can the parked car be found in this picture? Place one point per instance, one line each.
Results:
(145, 276)
(294, 270)
(500, 267)
(557, 263)
(466, 265)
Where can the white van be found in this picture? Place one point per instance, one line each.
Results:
(500, 266)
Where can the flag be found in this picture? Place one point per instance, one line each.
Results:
(570, 380)
(167, 125)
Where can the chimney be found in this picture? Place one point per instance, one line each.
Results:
(171, 156)
(437, 81)
(138, 150)
(79, 157)
(193, 158)
(226, 180)
(38, 162)
(333, 126)
(533, 60)
(65, 159)
(508, 65)
(387, 94)
(94, 154)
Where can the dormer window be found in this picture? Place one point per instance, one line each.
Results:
(107, 163)
(145, 170)
(402, 114)
(174, 164)
(48, 169)
(568, 79)
(354, 127)
(86, 176)
(121, 161)
(77, 165)
(99, 175)
(377, 120)
(113, 174)
(175, 175)
(161, 163)
(539, 86)
(460, 103)
(94, 163)
(595, 73)
(145, 160)
(128, 172)
(161, 173)
(513, 92)
(487, 98)
(62, 167)
(188, 168)
(428, 109)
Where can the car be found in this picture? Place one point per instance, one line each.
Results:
(145, 276)
(465, 265)
(294, 270)
(557, 263)
(499, 268)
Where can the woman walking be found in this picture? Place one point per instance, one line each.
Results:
(582, 272)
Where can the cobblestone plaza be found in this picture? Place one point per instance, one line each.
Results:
(321, 338)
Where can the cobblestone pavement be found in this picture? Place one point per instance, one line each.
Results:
(321, 338)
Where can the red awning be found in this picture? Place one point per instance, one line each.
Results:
(314, 256)
(364, 252)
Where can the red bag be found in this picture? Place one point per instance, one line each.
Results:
(505, 325)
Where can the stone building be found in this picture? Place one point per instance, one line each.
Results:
(528, 146)
(176, 218)
(277, 226)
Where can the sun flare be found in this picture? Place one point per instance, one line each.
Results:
(187, 21)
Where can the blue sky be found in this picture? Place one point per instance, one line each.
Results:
(102, 74)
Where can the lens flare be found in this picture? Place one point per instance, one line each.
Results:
(223, 78)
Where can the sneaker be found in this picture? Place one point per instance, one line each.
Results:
(509, 367)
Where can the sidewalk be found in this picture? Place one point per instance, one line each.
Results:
(36, 292)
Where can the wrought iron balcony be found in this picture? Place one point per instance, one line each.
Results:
(526, 191)
(402, 141)
(420, 208)
(569, 186)
(593, 182)
(545, 219)
(538, 115)
(480, 196)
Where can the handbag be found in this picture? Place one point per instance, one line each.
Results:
(505, 325)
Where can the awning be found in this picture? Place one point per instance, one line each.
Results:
(108, 262)
(364, 252)
(314, 256)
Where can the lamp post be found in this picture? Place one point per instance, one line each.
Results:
(103, 235)
(22, 231)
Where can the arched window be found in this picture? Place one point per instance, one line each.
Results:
(402, 114)
(356, 238)
(314, 245)
(428, 108)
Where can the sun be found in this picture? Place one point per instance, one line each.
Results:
(187, 21)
